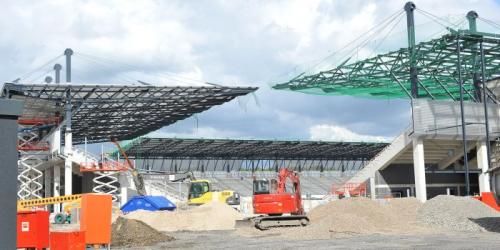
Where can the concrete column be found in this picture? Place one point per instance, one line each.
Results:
(373, 193)
(68, 166)
(124, 185)
(57, 186)
(47, 178)
(419, 169)
(482, 164)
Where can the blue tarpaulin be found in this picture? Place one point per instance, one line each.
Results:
(150, 203)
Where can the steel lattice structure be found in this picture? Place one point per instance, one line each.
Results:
(124, 112)
(250, 149)
(387, 75)
(207, 155)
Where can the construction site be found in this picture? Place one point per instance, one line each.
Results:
(83, 169)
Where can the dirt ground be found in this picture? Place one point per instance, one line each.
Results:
(231, 240)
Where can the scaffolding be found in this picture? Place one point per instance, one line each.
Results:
(33, 152)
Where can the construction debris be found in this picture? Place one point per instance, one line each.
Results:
(210, 216)
(459, 214)
(133, 233)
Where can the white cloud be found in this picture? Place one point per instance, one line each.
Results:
(329, 132)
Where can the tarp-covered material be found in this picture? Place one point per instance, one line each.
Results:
(150, 203)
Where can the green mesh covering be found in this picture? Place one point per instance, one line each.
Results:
(387, 75)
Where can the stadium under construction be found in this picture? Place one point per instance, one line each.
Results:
(450, 146)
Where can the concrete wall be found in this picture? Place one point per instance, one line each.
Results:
(9, 110)
(399, 180)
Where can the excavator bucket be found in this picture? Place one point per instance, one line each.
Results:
(244, 223)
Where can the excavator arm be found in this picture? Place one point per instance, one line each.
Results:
(136, 176)
(285, 174)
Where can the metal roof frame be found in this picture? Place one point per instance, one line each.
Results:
(124, 112)
(177, 148)
(387, 75)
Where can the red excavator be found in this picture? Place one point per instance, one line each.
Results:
(277, 205)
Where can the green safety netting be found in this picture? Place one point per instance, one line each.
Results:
(387, 75)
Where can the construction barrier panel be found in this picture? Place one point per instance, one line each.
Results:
(73, 240)
(33, 229)
(95, 218)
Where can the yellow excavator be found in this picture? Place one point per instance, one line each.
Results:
(201, 191)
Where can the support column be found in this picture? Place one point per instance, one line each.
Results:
(419, 169)
(57, 186)
(373, 193)
(124, 185)
(68, 136)
(68, 165)
(482, 164)
(47, 177)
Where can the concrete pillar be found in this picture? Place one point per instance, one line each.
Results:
(482, 164)
(419, 169)
(68, 165)
(47, 178)
(57, 186)
(124, 185)
(373, 193)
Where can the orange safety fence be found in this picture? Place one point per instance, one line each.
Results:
(39, 121)
(105, 166)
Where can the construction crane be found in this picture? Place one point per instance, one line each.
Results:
(280, 207)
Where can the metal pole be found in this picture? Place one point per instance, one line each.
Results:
(459, 71)
(410, 23)
(57, 69)
(471, 18)
(68, 53)
(486, 122)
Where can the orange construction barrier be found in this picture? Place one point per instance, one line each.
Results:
(72, 240)
(33, 229)
(95, 218)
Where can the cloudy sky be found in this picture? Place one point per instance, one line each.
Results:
(233, 43)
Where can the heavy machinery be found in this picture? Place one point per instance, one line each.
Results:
(201, 191)
(277, 205)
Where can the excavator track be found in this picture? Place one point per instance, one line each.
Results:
(267, 222)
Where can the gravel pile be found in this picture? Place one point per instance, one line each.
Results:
(355, 216)
(134, 233)
(459, 214)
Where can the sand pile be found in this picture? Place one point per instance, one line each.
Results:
(459, 214)
(211, 216)
(130, 233)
